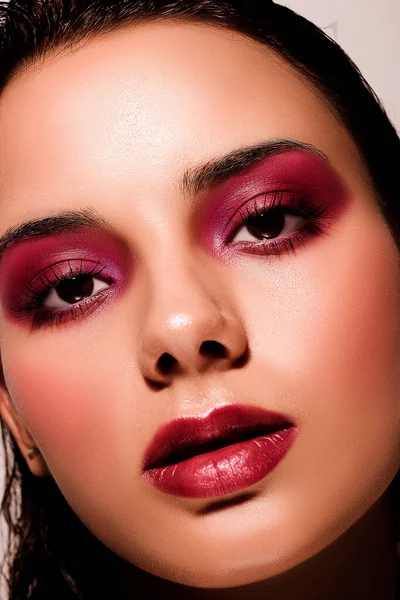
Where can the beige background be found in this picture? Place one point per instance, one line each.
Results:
(368, 32)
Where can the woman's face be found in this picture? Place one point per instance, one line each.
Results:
(303, 299)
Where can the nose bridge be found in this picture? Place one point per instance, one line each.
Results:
(183, 307)
(188, 324)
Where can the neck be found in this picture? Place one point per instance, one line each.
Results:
(360, 565)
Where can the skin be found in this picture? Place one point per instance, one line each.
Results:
(114, 126)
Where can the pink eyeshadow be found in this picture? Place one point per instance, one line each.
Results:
(24, 261)
(297, 171)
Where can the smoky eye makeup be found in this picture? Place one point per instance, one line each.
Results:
(275, 206)
(57, 279)
(269, 209)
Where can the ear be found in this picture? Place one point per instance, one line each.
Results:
(8, 413)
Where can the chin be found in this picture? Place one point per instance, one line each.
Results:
(228, 573)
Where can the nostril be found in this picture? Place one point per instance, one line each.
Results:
(166, 362)
(213, 348)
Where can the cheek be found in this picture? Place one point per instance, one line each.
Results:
(326, 324)
(53, 397)
(71, 395)
(354, 324)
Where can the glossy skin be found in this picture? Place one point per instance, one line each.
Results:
(114, 127)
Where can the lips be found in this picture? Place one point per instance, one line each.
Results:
(231, 448)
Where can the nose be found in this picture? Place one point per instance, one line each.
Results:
(189, 328)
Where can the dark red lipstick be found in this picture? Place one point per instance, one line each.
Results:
(230, 449)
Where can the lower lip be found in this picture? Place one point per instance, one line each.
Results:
(224, 471)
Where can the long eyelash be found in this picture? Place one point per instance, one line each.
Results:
(34, 297)
(302, 208)
(298, 206)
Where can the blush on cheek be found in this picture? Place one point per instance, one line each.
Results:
(354, 308)
(51, 399)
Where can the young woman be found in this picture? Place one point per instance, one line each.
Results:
(199, 306)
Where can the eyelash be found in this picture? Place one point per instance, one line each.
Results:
(34, 297)
(282, 201)
(297, 206)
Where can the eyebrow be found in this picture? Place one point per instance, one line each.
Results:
(194, 180)
(217, 170)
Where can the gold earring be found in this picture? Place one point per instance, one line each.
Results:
(32, 452)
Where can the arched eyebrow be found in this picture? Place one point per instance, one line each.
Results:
(194, 180)
(218, 170)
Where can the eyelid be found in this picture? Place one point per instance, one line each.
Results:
(301, 173)
(29, 303)
(315, 221)
(66, 268)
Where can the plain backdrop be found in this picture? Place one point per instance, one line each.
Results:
(368, 31)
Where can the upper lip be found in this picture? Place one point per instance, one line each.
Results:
(181, 438)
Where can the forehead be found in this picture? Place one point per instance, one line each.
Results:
(140, 105)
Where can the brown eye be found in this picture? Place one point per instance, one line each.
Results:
(72, 290)
(266, 225)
